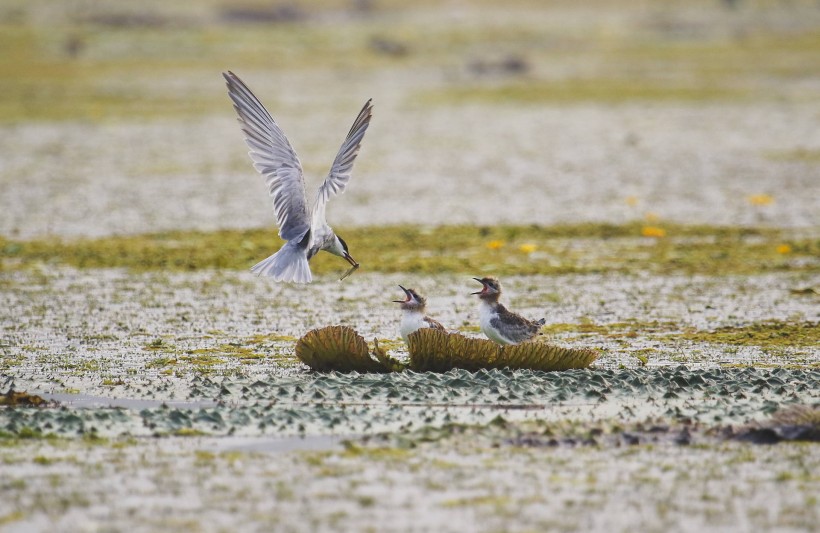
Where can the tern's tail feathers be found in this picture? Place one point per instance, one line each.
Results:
(541, 322)
(289, 264)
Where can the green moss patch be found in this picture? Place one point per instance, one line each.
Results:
(770, 334)
(629, 329)
(610, 91)
(72, 65)
(801, 155)
(503, 250)
(254, 349)
(764, 334)
(13, 398)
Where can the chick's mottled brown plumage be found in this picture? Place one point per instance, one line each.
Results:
(497, 322)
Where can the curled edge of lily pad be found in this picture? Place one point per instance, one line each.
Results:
(341, 349)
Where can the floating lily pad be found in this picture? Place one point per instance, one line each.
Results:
(341, 349)
(390, 363)
(14, 398)
(539, 355)
(794, 423)
(434, 350)
(337, 348)
(438, 351)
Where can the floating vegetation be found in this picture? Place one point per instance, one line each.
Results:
(767, 334)
(574, 248)
(337, 348)
(794, 423)
(390, 363)
(351, 403)
(341, 349)
(538, 355)
(798, 415)
(439, 351)
(607, 91)
(14, 398)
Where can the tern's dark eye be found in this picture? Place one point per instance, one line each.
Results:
(344, 244)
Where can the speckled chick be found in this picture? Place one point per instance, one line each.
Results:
(499, 324)
(413, 317)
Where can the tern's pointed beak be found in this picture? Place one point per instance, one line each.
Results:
(350, 259)
(483, 287)
(406, 293)
(352, 269)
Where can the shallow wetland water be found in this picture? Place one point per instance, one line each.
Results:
(652, 430)
(644, 175)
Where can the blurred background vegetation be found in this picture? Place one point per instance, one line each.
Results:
(101, 60)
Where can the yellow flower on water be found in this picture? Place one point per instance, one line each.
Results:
(527, 248)
(653, 231)
(631, 201)
(760, 199)
(783, 249)
(495, 245)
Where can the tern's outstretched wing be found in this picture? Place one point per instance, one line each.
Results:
(339, 175)
(274, 158)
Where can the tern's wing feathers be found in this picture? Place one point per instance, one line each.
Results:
(339, 175)
(274, 158)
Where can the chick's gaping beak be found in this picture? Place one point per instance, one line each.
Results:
(406, 293)
(483, 287)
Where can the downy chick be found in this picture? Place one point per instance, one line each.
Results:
(413, 317)
(499, 324)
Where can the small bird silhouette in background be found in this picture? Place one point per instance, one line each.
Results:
(413, 317)
(305, 230)
(499, 324)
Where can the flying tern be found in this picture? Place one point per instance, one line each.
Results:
(305, 229)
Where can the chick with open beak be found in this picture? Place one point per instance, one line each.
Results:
(413, 317)
(499, 324)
